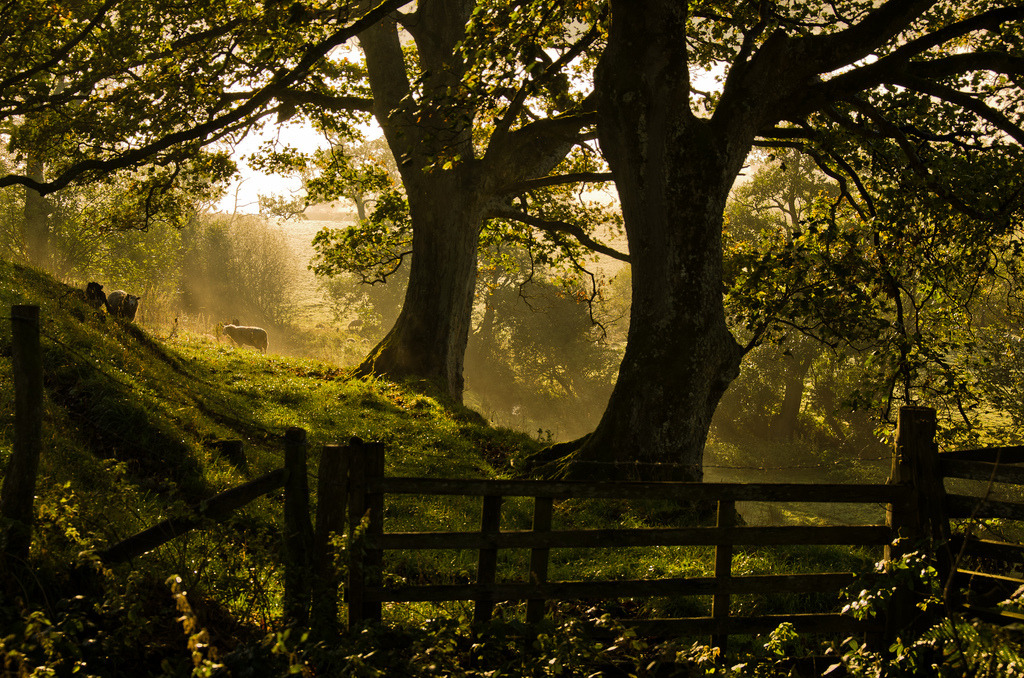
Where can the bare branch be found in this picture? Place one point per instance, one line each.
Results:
(559, 227)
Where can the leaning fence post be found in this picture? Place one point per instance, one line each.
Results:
(298, 529)
(16, 497)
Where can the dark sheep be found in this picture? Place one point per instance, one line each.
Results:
(120, 304)
(94, 295)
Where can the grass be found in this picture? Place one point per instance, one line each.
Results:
(131, 429)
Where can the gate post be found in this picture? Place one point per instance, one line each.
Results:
(920, 520)
(487, 561)
(298, 529)
(332, 499)
(365, 557)
(19, 486)
(542, 510)
(914, 445)
(723, 577)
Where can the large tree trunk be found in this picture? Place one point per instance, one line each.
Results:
(449, 184)
(673, 172)
(428, 341)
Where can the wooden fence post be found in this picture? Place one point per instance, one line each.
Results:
(905, 519)
(356, 590)
(542, 509)
(487, 564)
(298, 530)
(365, 557)
(332, 499)
(723, 573)
(19, 486)
(920, 520)
(374, 555)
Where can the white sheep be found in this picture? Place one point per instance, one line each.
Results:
(120, 304)
(253, 336)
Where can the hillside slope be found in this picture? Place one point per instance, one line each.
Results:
(131, 428)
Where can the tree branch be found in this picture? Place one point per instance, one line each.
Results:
(63, 52)
(836, 50)
(965, 101)
(885, 69)
(517, 102)
(559, 227)
(561, 179)
(328, 101)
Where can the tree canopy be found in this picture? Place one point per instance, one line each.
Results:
(103, 85)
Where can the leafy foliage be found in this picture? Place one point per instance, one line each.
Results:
(103, 86)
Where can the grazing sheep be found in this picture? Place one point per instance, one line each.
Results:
(94, 295)
(253, 336)
(120, 304)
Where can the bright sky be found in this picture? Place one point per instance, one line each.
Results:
(243, 193)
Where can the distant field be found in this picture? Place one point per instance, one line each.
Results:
(312, 309)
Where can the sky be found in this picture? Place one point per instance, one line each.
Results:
(243, 193)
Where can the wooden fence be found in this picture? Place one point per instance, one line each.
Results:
(982, 566)
(352, 482)
(368, 488)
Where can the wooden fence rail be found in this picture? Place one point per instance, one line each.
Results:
(984, 570)
(367, 593)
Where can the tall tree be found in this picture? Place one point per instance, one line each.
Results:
(766, 212)
(468, 140)
(935, 82)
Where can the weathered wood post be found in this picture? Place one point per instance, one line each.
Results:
(332, 500)
(915, 430)
(298, 530)
(542, 509)
(723, 575)
(487, 563)
(919, 521)
(19, 486)
(365, 557)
